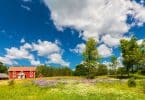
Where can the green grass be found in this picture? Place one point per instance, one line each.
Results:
(25, 90)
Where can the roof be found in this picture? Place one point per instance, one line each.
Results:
(3, 75)
(22, 69)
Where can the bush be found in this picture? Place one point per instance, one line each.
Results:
(11, 82)
(91, 70)
(86, 69)
(111, 72)
(142, 83)
(141, 71)
(102, 70)
(131, 82)
(121, 71)
(81, 70)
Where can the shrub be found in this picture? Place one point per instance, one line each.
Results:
(102, 70)
(111, 72)
(91, 71)
(11, 82)
(86, 69)
(121, 71)
(131, 82)
(81, 70)
(142, 83)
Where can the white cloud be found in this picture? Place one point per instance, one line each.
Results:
(51, 51)
(22, 40)
(27, 0)
(8, 61)
(110, 41)
(79, 48)
(57, 42)
(104, 20)
(26, 46)
(104, 51)
(26, 7)
(139, 42)
(119, 60)
(44, 48)
(34, 62)
(57, 59)
(15, 53)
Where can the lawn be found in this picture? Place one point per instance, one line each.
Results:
(71, 88)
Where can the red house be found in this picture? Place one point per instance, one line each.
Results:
(21, 72)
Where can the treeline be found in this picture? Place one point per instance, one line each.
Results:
(133, 55)
(82, 70)
(3, 68)
(47, 71)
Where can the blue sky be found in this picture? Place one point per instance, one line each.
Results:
(63, 27)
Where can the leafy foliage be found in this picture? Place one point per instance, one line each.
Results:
(131, 82)
(53, 71)
(130, 53)
(121, 71)
(3, 68)
(81, 70)
(90, 54)
(102, 70)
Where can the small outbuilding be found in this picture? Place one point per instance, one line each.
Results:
(3, 76)
(21, 72)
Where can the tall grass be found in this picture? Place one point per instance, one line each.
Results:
(116, 90)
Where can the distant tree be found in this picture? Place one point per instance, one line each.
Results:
(3, 68)
(90, 57)
(46, 71)
(41, 70)
(141, 63)
(81, 70)
(90, 53)
(121, 71)
(114, 63)
(130, 53)
(102, 70)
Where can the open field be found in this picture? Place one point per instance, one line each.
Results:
(70, 88)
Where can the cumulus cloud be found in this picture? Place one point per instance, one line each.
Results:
(22, 40)
(104, 51)
(79, 48)
(110, 40)
(51, 51)
(44, 48)
(8, 61)
(104, 20)
(56, 58)
(35, 62)
(15, 53)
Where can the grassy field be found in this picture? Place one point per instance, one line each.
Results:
(102, 89)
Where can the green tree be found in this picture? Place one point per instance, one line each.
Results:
(114, 63)
(41, 70)
(3, 68)
(130, 53)
(91, 56)
(121, 71)
(81, 70)
(90, 53)
(102, 70)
